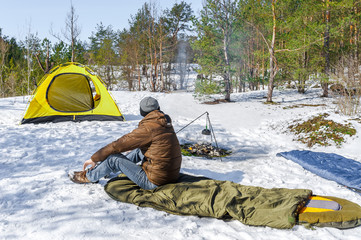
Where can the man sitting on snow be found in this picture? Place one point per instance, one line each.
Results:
(154, 144)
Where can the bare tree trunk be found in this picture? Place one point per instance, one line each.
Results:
(327, 50)
(223, 11)
(356, 40)
(264, 72)
(155, 62)
(48, 65)
(162, 88)
(72, 33)
(4, 47)
(272, 62)
(138, 70)
(72, 30)
(155, 79)
(28, 59)
(161, 70)
(150, 45)
(227, 76)
(151, 67)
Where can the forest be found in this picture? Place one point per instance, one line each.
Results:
(233, 45)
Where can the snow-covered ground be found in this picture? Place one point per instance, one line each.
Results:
(38, 201)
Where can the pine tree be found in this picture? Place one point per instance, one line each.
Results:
(103, 54)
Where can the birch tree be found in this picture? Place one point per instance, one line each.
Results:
(216, 26)
(222, 13)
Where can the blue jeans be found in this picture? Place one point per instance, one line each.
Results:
(124, 164)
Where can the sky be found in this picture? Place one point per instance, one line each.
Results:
(42, 16)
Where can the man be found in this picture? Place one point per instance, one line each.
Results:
(154, 144)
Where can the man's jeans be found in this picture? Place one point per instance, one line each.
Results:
(124, 164)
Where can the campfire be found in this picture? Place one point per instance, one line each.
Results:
(203, 150)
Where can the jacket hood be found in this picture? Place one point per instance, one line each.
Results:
(159, 117)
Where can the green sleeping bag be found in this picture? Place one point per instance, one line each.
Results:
(204, 197)
(256, 206)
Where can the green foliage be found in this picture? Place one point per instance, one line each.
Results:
(230, 39)
(207, 87)
(214, 30)
(81, 52)
(61, 53)
(102, 53)
(15, 52)
(178, 17)
(102, 35)
(321, 131)
(207, 46)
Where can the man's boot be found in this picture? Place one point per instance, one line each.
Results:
(79, 177)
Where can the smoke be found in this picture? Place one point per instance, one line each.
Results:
(181, 62)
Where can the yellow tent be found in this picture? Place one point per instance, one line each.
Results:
(71, 92)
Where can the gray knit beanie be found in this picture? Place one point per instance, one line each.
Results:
(147, 105)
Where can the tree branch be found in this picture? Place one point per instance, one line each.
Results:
(39, 62)
(265, 40)
(300, 48)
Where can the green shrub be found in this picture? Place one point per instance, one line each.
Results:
(207, 87)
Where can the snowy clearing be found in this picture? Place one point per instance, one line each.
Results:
(38, 201)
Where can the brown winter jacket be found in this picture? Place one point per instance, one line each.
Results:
(158, 142)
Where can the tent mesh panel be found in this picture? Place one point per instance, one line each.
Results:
(70, 92)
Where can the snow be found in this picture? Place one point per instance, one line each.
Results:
(38, 201)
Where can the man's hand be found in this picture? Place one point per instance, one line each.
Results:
(87, 163)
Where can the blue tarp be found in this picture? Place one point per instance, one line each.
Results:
(331, 166)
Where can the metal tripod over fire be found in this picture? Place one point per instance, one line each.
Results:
(207, 131)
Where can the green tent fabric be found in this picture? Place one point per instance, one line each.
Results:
(204, 197)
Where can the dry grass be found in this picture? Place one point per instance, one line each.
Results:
(321, 131)
(304, 105)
